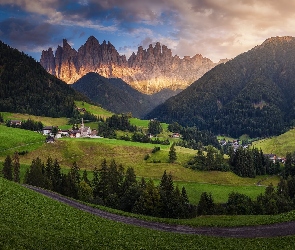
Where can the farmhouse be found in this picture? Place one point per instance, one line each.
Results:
(14, 123)
(47, 130)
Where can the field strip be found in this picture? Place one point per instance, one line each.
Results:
(260, 231)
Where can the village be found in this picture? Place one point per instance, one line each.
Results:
(53, 133)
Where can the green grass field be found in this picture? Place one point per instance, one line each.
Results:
(279, 145)
(32, 221)
(47, 121)
(14, 139)
(98, 111)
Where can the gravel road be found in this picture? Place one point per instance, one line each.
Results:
(261, 231)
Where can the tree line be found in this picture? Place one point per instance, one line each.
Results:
(244, 162)
(274, 200)
(192, 137)
(27, 124)
(110, 186)
(113, 187)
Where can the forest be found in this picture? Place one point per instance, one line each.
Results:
(246, 95)
(25, 87)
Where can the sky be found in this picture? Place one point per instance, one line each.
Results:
(216, 29)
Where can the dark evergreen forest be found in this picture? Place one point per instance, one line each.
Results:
(251, 94)
(26, 87)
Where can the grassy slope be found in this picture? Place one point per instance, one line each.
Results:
(47, 121)
(31, 221)
(13, 139)
(94, 109)
(279, 145)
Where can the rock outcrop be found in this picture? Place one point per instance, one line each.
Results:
(149, 70)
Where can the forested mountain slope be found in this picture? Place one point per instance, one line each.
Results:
(117, 96)
(26, 87)
(252, 94)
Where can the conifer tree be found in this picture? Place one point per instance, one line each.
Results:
(206, 204)
(7, 168)
(149, 201)
(35, 174)
(57, 177)
(166, 190)
(172, 153)
(16, 167)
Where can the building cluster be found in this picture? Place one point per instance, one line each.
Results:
(53, 132)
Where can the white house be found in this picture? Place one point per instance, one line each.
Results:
(47, 130)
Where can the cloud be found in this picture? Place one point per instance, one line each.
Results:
(27, 34)
(213, 28)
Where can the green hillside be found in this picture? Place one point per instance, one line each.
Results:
(32, 221)
(279, 145)
(14, 139)
(251, 94)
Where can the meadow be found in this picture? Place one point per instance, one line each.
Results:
(89, 153)
(13, 139)
(96, 110)
(32, 221)
(278, 145)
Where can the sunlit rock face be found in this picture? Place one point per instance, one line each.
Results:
(149, 70)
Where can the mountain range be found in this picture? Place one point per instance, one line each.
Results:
(149, 70)
(251, 94)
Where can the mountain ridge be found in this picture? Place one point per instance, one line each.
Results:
(251, 94)
(149, 70)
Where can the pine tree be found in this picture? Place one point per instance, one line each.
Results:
(94, 183)
(172, 153)
(35, 175)
(7, 168)
(166, 190)
(103, 183)
(57, 177)
(85, 177)
(16, 167)
(149, 201)
(206, 204)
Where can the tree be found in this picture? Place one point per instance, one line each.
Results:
(206, 204)
(57, 177)
(7, 168)
(16, 167)
(35, 174)
(54, 131)
(85, 192)
(148, 202)
(166, 190)
(154, 127)
(174, 127)
(239, 204)
(172, 153)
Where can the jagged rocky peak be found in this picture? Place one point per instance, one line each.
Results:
(148, 70)
(47, 61)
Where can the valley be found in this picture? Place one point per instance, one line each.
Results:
(178, 142)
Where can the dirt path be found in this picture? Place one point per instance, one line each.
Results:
(261, 231)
